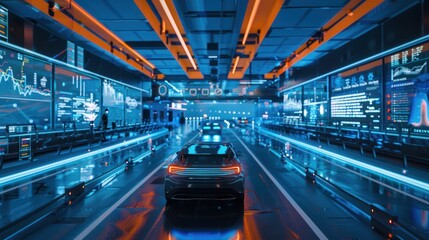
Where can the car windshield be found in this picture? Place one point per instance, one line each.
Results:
(204, 160)
(207, 155)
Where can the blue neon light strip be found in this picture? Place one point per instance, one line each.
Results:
(376, 170)
(18, 176)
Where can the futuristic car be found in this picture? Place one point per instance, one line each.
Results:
(205, 171)
(212, 128)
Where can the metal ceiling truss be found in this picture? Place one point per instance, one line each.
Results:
(71, 15)
(167, 25)
(348, 15)
(257, 21)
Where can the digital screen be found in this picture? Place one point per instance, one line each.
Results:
(77, 98)
(133, 106)
(71, 53)
(80, 57)
(4, 25)
(25, 90)
(292, 104)
(315, 102)
(407, 89)
(113, 99)
(356, 96)
(146, 87)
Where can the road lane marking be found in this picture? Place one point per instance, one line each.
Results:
(109, 211)
(103, 216)
(301, 212)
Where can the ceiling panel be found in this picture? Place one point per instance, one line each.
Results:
(317, 3)
(317, 17)
(148, 35)
(293, 32)
(211, 24)
(288, 17)
(272, 41)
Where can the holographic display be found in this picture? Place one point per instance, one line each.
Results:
(77, 98)
(292, 105)
(113, 99)
(407, 89)
(315, 104)
(356, 96)
(133, 106)
(25, 90)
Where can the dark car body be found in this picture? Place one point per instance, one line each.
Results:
(205, 171)
(212, 128)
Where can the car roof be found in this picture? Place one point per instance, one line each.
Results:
(207, 148)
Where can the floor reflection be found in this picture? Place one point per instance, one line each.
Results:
(203, 220)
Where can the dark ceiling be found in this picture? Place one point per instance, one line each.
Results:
(211, 21)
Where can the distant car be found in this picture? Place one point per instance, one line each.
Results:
(212, 129)
(205, 171)
(242, 120)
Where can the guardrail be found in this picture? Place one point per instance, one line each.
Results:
(23, 226)
(380, 219)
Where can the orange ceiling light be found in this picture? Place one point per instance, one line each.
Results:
(166, 23)
(342, 20)
(178, 34)
(235, 64)
(252, 18)
(90, 28)
(256, 23)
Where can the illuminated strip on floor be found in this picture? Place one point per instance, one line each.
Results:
(19, 176)
(101, 218)
(301, 212)
(376, 170)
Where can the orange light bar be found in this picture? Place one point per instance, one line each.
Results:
(88, 29)
(235, 64)
(178, 34)
(252, 17)
(236, 169)
(79, 9)
(334, 26)
(172, 169)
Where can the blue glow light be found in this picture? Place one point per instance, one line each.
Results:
(375, 170)
(28, 173)
(215, 235)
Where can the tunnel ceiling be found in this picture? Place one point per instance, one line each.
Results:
(213, 32)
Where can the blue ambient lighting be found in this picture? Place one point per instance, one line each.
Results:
(376, 170)
(28, 173)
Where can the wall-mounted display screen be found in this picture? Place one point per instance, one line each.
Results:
(315, 102)
(25, 90)
(113, 99)
(407, 90)
(292, 105)
(4, 23)
(356, 96)
(133, 106)
(77, 98)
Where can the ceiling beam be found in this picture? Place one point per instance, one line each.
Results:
(82, 23)
(259, 16)
(348, 15)
(167, 28)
